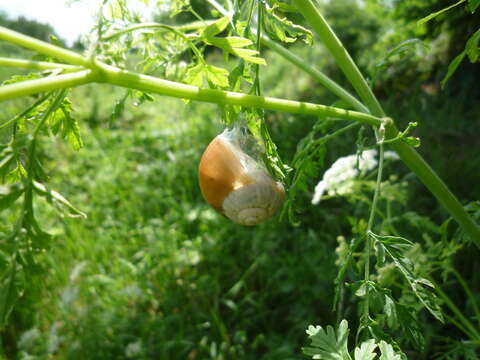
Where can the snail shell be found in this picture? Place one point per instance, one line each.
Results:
(236, 185)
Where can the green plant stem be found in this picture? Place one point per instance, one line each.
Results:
(129, 79)
(437, 187)
(406, 153)
(25, 112)
(467, 324)
(36, 65)
(155, 26)
(462, 328)
(43, 47)
(340, 54)
(115, 76)
(172, 29)
(316, 74)
(368, 240)
(50, 83)
(469, 293)
(55, 104)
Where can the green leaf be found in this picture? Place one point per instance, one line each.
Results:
(6, 161)
(16, 174)
(119, 107)
(366, 351)
(282, 29)
(19, 78)
(390, 310)
(395, 247)
(62, 122)
(387, 352)
(215, 28)
(230, 42)
(407, 320)
(178, 6)
(326, 344)
(471, 49)
(473, 5)
(235, 45)
(12, 284)
(435, 14)
(9, 194)
(453, 67)
(194, 75)
(71, 130)
(53, 196)
(218, 76)
(472, 46)
(286, 8)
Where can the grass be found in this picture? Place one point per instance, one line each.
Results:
(153, 271)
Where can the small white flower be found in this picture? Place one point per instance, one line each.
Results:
(339, 178)
(390, 155)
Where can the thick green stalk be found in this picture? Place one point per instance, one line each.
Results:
(408, 155)
(50, 83)
(437, 187)
(115, 76)
(43, 47)
(133, 80)
(104, 73)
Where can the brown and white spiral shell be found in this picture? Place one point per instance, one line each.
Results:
(236, 185)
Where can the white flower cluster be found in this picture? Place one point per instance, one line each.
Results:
(339, 178)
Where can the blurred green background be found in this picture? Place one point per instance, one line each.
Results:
(154, 273)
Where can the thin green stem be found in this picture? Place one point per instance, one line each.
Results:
(377, 190)
(316, 74)
(469, 293)
(43, 47)
(468, 325)
(219, 7)
(25, 112)
(368, 242)
(259, 48)
(390, 220)
(462, 328)
(157, 26)
(340, 54)
(50, 83)
(36, 65)
(172, 29)
(51, 108)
